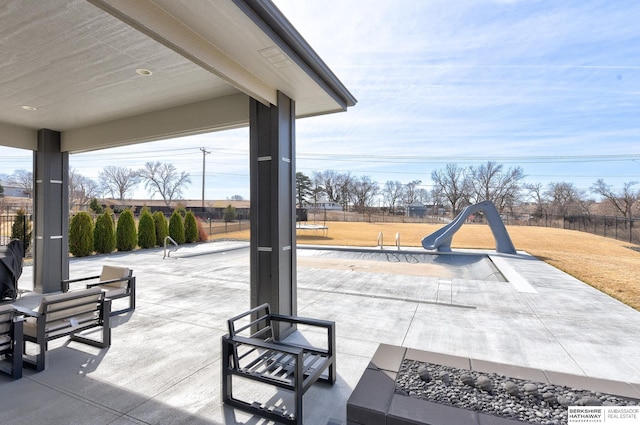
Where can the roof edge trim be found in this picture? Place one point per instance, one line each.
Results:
(266, 15)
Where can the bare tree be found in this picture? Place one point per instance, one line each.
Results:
(364, 190)
(437, 198)
(488, 182)
(24, 180)
(317, 189)
(329, 180)
(536, 192)
(392, 193)
(338, 187)
(625, 201)
(164, 179)
(236, 198)
(118, 181)
(423, 195)
(344, 186)
(81, 189)
(410, 192)
(452, 183)
(564, 198)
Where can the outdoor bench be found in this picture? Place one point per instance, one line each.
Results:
(11, 340)
(116, 282)
(250, 351)
(66, 314)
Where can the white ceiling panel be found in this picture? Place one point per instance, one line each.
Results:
(75, 62)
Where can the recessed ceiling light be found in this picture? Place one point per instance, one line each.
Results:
(29, 108)
(143, 72)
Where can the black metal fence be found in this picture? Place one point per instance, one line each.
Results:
(11, 227)
(620, 228)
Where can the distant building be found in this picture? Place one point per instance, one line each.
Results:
(324, 204)
(435, 209)
(417, 209)
(420, 210)
(15, 191)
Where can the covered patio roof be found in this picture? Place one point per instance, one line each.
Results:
(108, 73)
(83, 75)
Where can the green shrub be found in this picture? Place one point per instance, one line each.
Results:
(146, 230)
(95, 206)
(176, 227)
(229, 213)
(81, 235)
(190, 228)
(104, 234)
(21, 228)
(182, 210)
(126, 235)
(162, 228)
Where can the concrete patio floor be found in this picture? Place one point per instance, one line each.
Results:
(163, 366)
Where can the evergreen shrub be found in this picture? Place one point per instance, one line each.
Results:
(21, 228)
(190, 228)
(81, 235)
(126, 235)
(95, 206)
(104, 234)
(176, 227)
(162, 228)
(182, 210)
(146, 230)
(230, 213)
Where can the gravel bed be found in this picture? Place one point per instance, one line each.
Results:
(498, 395)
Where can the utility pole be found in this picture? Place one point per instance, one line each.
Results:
(204, 154)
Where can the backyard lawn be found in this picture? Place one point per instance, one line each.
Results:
(609, 265)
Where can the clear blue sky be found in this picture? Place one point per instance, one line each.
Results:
(550, 86)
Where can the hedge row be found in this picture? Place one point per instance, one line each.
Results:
(105, 235)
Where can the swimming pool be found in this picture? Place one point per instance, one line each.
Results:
(449, 265)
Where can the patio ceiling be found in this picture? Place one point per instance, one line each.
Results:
(74, 66)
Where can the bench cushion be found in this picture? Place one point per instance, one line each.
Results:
(112, 272)
(60, 310)
(59, 327)
(6, 317)
(68, 296)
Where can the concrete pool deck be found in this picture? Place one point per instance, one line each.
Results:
(163, 366)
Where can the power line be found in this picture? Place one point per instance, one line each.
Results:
(417, 159)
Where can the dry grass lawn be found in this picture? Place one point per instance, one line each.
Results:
(606, 264)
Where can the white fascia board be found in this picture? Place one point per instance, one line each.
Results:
(196, 118)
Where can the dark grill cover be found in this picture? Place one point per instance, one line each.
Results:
(11, 269)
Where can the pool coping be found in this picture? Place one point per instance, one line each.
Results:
(374, 401)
